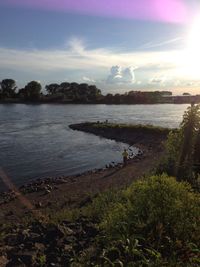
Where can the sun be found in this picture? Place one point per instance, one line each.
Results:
(192, 52)
(194, 38)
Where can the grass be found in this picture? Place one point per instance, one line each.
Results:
(147, 128)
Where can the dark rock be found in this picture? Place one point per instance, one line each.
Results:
(9, 213)
(69, 240)
(66, 222)
(38, 228)
(34, 237)
(38, 205)
(54, 232)
(15, 263)
(39, 246)
(47, 191)
(12, 240)
(52, 258)
(27, 258)
(66, 260)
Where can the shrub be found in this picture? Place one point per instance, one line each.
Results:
(103, 203)
(162, 214)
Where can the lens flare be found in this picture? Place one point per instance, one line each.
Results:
(174, 11)
(190, 59)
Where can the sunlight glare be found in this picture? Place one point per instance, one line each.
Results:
(192, 53)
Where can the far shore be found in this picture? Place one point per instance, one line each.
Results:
(13, 101)
(54, 193)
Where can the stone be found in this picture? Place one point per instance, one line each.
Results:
(25, 257)
(39, 246)
(54, 232)
(38, 205)
(12, 240)
(35, 237)
(3, 260)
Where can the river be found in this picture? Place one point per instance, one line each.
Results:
(36, 142)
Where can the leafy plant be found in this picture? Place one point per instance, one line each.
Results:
(156, 220)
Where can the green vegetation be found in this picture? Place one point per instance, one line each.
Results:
(135, 127)
(182, 158)
(7, 88)
(64, 92)
(31, 92)
(154, 222)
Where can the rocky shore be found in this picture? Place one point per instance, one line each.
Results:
(47, 244)
(33, 231)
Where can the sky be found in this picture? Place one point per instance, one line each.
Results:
(118, 45)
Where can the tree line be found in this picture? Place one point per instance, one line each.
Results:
(74, 93)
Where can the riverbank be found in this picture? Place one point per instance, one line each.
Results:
(143, 136)
(52, 200)
(55, 192)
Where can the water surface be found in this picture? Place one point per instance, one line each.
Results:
(35, 140)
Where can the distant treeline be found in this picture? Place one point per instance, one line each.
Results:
(82, 93)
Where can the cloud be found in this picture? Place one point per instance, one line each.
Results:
(119, 75)
(87, 79)
(157, 80)
(160, 44)
(115, 74)
(78, 62)
(192, 83)
(76, 46)
(76, 56)
(129, 75)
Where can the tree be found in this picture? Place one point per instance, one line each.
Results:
(65, 88)
(8, 87)
(183, 147)
(52, 88)
(186, 94)
(33, 90)
(189, 128)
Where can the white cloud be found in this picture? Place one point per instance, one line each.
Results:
(129, 75)
(159, 80)
(77, 57)
(76, 45)
(115, 74)
(76, 61)
(119, 75)
(87, 79)
(160, 44)
(192, 83)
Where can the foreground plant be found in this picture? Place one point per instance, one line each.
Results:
(155, 223)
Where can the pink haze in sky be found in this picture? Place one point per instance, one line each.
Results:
(173, 11)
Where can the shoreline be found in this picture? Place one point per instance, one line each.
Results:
(92, 103)
(54, 193)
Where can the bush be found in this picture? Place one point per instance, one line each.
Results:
(103, 203)
(163, 215)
